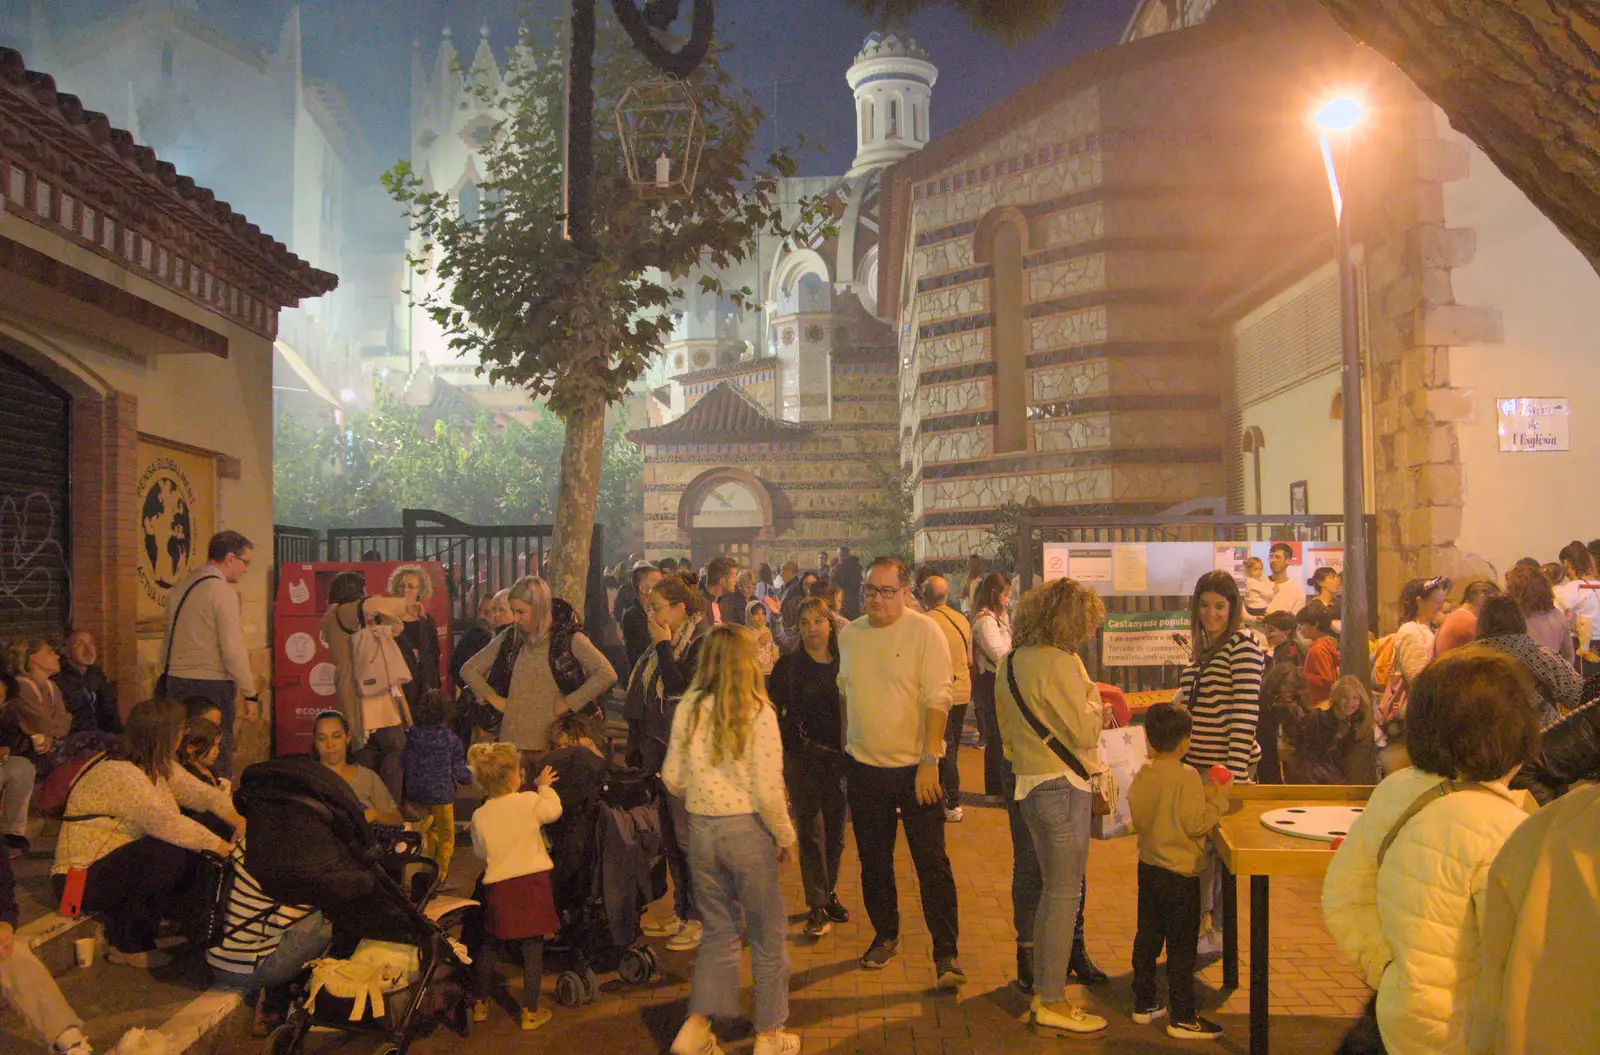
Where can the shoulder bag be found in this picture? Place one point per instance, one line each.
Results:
(172, 635)
(1103, 790)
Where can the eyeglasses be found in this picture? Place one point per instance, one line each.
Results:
(884, 592)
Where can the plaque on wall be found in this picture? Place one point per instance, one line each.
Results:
(1533, 423)
(1299, 501)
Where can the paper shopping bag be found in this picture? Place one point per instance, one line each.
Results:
(1123, 752)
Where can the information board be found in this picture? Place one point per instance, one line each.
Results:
(1145, 639)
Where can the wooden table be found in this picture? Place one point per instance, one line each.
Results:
(1246, 848)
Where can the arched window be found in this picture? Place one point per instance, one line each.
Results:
(812, 294)
(866, 121)
(470, 202)
(916, 124)
(894, 119)
(1010, 341)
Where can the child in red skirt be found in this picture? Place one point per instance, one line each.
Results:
(518, 906)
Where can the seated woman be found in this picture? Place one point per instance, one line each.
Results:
(1556, 686)
(330, 745)
(1333, 743)
(123, 826)
(1404, 891)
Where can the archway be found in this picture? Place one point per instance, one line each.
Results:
(725, 511)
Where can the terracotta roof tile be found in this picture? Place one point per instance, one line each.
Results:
(724, 413)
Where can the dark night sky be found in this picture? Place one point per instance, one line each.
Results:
(804, 46)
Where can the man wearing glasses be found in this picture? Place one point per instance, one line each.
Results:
(894, 673)
(204, 649)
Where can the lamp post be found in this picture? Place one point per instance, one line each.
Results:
(1336, 123)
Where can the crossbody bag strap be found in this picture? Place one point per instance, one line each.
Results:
(1422, 802)
(172, 635)
(956, 627)
(1039, 728)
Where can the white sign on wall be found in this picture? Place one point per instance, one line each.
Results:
(1533, 423)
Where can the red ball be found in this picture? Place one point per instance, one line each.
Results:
(1220, 775)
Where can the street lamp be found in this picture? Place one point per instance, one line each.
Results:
(1336, 123)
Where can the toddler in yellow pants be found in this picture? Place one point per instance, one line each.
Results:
(435, 764)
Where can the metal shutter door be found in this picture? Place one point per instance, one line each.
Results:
(35, 592)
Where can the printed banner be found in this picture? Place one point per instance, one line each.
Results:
(177, 496)
(1145, 639)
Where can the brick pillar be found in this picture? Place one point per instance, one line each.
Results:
(105, 524)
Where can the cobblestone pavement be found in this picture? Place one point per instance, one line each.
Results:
(837, 1008)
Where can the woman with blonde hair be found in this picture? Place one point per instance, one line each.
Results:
(418, 638)
(538, 668)
(725, 758)
(1333, 742)
(1043, 684)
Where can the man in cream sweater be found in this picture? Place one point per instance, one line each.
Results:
(894, 674)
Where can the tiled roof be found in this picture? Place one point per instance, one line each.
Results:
(129, 166)
(724, 413)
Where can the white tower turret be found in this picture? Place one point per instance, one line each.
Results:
(892, 80)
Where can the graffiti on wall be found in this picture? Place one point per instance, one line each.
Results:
(33, 566)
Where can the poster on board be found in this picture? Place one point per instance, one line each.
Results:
(1056, 560)
(1130, 569)
(1145, 639)
(1090, 565)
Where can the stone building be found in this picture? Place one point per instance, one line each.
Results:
(778, 434)
(1115, 292)
(137, 319)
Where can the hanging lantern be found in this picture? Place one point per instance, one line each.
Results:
(662, 136)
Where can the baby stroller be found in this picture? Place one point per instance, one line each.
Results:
(310, 844)
(606, 848)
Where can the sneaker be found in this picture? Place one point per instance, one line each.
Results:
(18, 842)
(778, 1042)
(1210, 944)
(695, 1038)
(72, 1042)
(953, 815)
(818, 923)
(1146, 1015)
(654, 929)
(687, 939)
(948, 972)
(533, 1018)
(836, 912)
(1076, 1020)
(879, 953)
(149, 960)
(479, 1009)
(1199, 1029)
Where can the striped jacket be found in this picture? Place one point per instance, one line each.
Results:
(255, 923)
(1224, 700)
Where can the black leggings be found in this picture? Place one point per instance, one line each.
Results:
(485, 963)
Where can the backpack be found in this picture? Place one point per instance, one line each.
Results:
(376, 663)
(1383, 660)
(56, 788)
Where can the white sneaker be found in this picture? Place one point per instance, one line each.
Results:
(953, 815)
(655, 929)
(695, 1038)
(1210, 944)
(778, 1042)
(687, 939)
(72, 1042)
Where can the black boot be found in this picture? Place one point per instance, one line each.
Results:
(1080, 966)
(1025, 968)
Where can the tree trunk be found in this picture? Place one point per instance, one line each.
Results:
(579, 490)
(1520, 78)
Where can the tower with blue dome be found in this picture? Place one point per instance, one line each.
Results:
(893, 81)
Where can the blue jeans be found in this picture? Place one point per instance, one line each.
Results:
(1058, 816)
(735, 863)
(221, 693)
(676, 825)
(300, 944)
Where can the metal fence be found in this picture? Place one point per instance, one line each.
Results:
(479, 560)
(1035, 531)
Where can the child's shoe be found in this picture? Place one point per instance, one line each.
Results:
(533, 1018)
(1199, 1029)
(479, 1010)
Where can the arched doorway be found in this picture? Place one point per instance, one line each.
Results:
(35, 517)
(725, 511)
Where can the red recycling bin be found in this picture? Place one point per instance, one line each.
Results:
(303, 676)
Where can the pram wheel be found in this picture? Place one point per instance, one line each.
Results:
(386, 1048)
(591, 985)
(284, 1040)
(636, 966)
(569, 989)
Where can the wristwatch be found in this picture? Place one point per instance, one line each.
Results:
(929, 760)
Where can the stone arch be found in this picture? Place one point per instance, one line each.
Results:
(983, 237)
(1001, 241)
(702, 486)
(793, 266)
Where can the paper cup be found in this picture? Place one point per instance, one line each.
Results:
(83, 949)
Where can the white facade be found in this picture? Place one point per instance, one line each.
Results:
(892, 80)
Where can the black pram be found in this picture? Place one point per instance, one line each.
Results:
(606, 848)
(309, 843)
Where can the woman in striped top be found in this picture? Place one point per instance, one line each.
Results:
(1222, 685)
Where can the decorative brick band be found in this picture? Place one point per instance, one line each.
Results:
(1054, 462)
(1157, 244)
(956, 278)
(949, 326)
(964, 372)
(950, 422)
(1122, 349)
(1066, 408)
(985, 517)
(1103, 297)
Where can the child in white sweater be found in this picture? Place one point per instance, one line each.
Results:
(517, 899)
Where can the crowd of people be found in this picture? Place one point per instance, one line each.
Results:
(771, 704)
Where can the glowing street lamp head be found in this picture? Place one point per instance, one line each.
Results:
(1340, 115)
